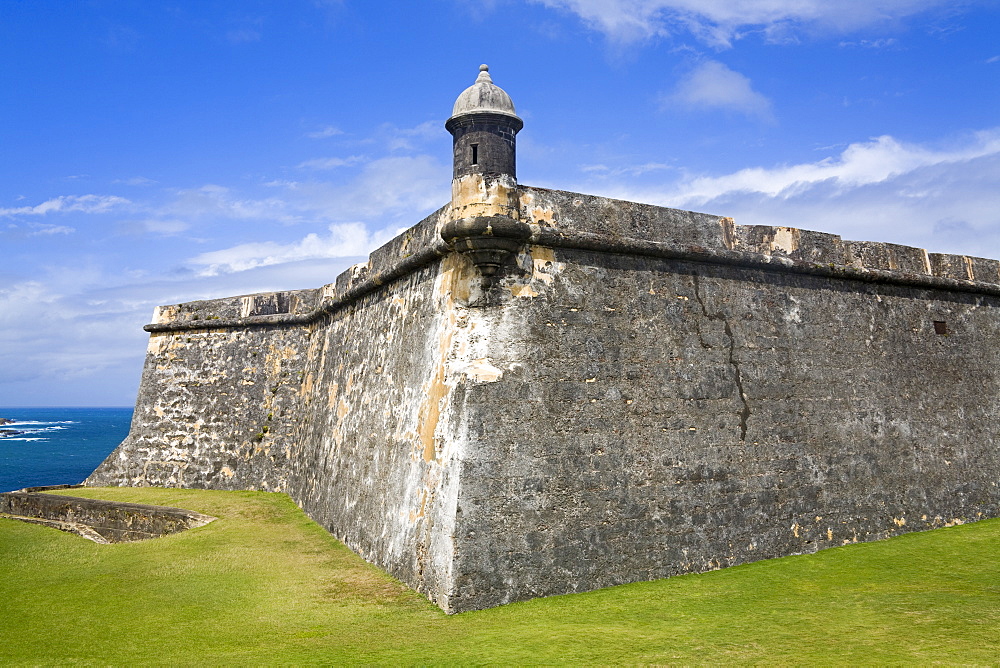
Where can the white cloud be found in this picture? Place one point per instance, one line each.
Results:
(882, 43)
(391, 189)
(405, 186)
(942, 198)
(136, 181)
(720, 21)
(67, 203)
(43, 229)
(330, 163)
(164, 227)
(994, 59)
(343, 240)
(281, 183)
(71, 329)
(215, 201)
(391, 186)
(627, 170)
(73, 335)
(82, 350)
(858, 165)
(324, 132)
(712, 85)
(408, 139)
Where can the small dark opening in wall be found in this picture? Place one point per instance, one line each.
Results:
(940, 327)
(475, 154)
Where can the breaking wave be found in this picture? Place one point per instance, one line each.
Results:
(33, 430)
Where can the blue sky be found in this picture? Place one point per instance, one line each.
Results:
(158, 152)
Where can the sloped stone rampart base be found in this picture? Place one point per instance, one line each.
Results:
(98, 520)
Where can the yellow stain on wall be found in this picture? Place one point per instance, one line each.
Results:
(473, 195)
(453, 284)
(536, 214)
(158, 342)
(162, 314)
(421, 511)
(543, 271)
(307, 385)
(523, 290)
(544, 265)
(430, 413)
(785, 239)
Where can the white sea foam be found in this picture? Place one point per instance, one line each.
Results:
(34, 430)
(39, 423)
(57, 445)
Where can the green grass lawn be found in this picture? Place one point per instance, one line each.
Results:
(265, 585)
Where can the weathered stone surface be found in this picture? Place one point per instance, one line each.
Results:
(888, 257)
(216, 408)
(98, 520)
(575, 212)
(951, 266)
(985, 270)
(494, 139)
(349, 415)
(648, 392)
(381, 437)
(801, 245)
(660, 417)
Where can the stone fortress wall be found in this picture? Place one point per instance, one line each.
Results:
(644, 392)
(535, 392)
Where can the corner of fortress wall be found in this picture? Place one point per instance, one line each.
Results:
(643, 392)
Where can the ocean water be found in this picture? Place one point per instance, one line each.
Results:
(59, 446)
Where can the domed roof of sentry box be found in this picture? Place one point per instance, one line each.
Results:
(483, 97)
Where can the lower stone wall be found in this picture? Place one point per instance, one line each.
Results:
(104, 521)
(658, 417)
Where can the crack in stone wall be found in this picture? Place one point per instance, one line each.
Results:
(737, 372)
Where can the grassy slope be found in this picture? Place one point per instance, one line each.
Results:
(264, 584)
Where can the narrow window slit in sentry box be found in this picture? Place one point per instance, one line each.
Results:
(475, 154)
(940, 327)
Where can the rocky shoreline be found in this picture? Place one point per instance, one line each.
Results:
(8, 432)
